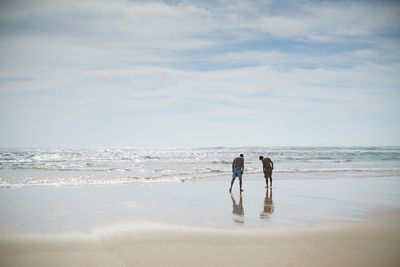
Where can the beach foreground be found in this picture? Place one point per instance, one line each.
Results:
(363, 244)
(336, 222)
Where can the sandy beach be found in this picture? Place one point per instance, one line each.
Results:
(374, 244)
(303, 223)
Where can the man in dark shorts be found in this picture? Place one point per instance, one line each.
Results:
(237, 171)
(268, 166)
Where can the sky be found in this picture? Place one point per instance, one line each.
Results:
(127, 73)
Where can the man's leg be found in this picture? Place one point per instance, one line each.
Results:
(270, 177)
(266, 178)
(233, 180)
(240, 183)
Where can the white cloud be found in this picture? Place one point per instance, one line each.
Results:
(141, 23)
(192, 61)
(333, 21)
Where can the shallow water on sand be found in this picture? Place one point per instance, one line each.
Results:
(204, 204)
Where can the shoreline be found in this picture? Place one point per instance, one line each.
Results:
(249, 176)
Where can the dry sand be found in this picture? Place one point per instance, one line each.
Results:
(372, 243)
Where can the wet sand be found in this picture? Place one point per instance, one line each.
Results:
(303, 223)
(364, 244)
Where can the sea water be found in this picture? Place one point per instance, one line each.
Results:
(102, 166)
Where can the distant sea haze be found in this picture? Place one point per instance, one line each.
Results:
(104, 166)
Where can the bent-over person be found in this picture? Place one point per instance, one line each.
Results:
(237, 171)
(268, 166)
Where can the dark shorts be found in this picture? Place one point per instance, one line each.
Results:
(268, 173)
(237, 172)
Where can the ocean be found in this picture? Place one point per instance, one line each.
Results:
(103, 166)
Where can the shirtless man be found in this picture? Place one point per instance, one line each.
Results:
(237, 171)
(268, 166)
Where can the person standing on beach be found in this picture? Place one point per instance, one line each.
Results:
(237, 171)
(268, 166)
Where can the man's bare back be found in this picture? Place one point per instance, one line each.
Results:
(267, 164)
(238, 163)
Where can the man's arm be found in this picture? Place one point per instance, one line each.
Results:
(233, 164)
(272, 164)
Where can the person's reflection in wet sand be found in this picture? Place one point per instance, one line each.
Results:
(268, 205)
(237, 210)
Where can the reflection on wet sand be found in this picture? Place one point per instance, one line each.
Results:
(268, 205)
(237, 210)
